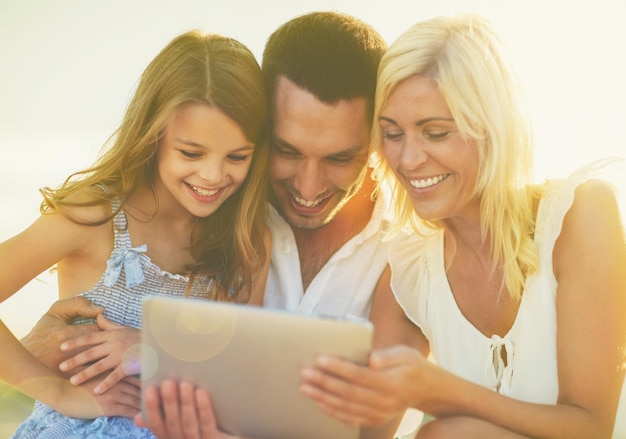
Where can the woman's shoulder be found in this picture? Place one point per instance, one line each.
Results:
(585, 211)
(602, 175)
(595, 205)
(590, 186)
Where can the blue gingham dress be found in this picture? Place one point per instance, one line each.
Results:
(129, 278)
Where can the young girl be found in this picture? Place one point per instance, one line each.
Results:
(516, 289)
(176, 206)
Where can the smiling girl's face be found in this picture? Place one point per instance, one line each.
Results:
(202, 159)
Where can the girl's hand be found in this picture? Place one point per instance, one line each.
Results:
(114, 348)
(122, 399)
(365, 395)
(80, 402)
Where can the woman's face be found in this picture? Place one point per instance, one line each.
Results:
(423, 147)
(202, 159)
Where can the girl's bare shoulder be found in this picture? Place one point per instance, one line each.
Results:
(89, 206)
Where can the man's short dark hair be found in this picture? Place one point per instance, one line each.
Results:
(331, 55)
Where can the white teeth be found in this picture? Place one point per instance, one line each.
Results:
(204, 192)
(424, 183)
(306, 203)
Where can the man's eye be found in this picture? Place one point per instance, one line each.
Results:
(285, 152)
(340, 160)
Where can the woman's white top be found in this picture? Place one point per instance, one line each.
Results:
(420, 286)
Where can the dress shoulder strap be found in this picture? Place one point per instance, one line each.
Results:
(120, 225)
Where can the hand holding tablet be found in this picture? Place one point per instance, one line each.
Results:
(249, 360)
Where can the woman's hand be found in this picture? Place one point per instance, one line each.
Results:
(366, 395)
(114, 348)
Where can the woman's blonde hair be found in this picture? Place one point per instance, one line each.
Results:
(465, 59)
(194, 67)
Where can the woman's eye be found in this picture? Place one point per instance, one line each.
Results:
(392, 136)
(436, 135)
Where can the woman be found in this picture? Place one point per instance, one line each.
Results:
(517, 290)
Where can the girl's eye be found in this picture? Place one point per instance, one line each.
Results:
(238, 158)
(190, 154)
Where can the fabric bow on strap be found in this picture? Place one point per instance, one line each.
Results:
(129, 259)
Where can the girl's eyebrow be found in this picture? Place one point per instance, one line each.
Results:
(199, 145)
(419, 122)
(188, 142)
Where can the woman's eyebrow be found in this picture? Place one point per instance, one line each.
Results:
(419, 122)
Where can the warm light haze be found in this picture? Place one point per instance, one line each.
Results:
(68, 69)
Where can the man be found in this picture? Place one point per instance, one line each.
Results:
(321, 76)
(326, 225)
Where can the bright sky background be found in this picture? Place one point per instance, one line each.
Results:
(68, 68)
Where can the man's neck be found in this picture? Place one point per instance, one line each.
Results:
(316, 246)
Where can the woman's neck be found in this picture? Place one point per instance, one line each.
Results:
(465, 234)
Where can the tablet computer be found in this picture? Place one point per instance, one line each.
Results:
(249, 360)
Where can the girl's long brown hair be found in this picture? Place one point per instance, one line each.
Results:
(194, 67)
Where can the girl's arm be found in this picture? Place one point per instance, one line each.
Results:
(50, 239)
(114, 349)
(589, 260)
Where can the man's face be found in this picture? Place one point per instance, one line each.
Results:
(319, 154)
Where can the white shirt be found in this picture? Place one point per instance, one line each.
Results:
(345, 284)
(420, 285)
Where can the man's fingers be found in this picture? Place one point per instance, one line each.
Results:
(71, 332)
(68, 309)
(106, 325)
(134, 381)
(133, 402)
